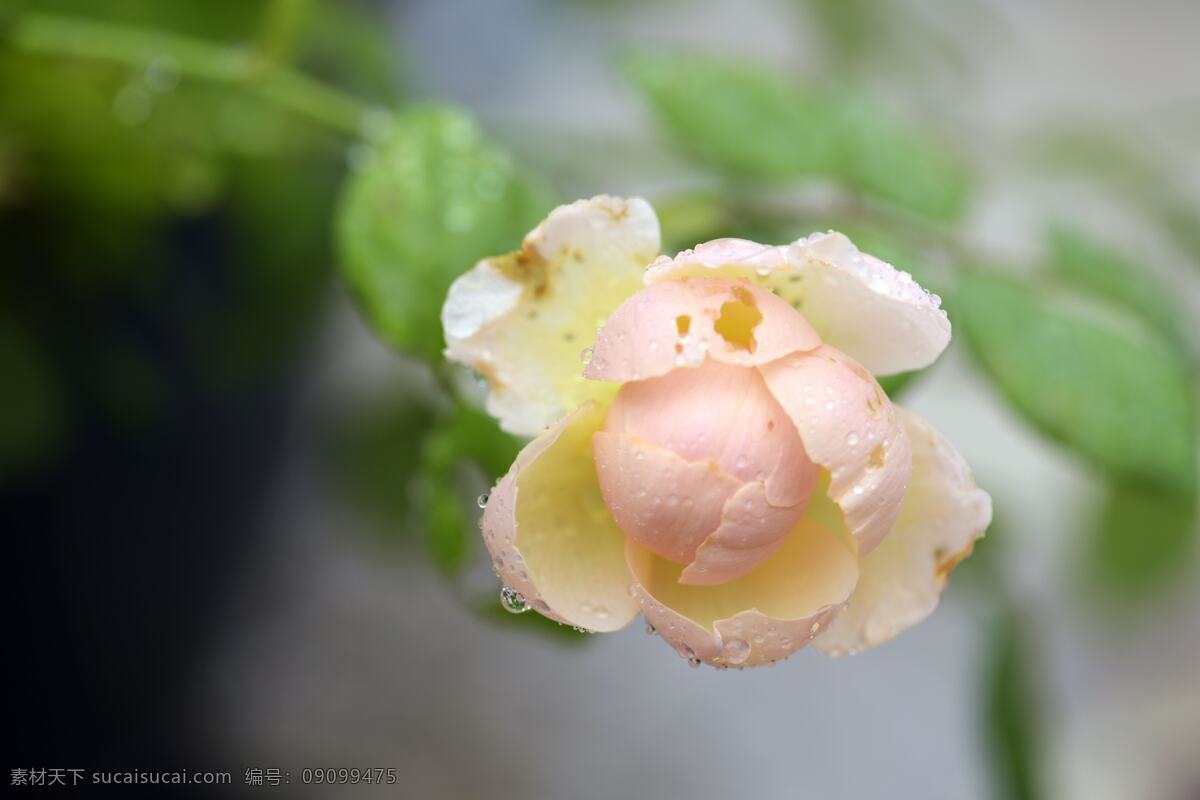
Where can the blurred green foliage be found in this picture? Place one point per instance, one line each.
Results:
(757, 126)
(1142, 538)
(1095, 267)
(1109, 388)
(1012, 709)
(425, 202)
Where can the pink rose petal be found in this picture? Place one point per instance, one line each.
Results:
(665, 503)
(850, 428)
(679, 323)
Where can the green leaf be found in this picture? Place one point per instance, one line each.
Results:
(754, 125)
(1010, 712)
(1098, 269)
(890, 161)
(743, 120)
(469, 434)
(451, 533)
(1119, 395)
(894, 385)
(1142, 539)
(425, 203)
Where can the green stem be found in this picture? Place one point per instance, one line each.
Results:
(49, 34)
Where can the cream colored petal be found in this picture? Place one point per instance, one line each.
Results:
(758, 618)
(943, 514)
(857, 303)
(678, 323)
(523, 319)
(550, 535)
(850, 428)
(666, 503)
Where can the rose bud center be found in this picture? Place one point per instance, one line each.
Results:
(701, 451)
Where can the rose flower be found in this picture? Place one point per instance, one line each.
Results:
(710, 446)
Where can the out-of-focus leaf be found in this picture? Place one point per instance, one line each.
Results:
(424, 204)
(450, 532)
(745, 120)
(468, 434)
(895, 385)
(890, 161)
(1096, 268)
(688, 219)
(1119, 395)
(1142, 539)
(1010, 712)
(376, 454)
(754, 125)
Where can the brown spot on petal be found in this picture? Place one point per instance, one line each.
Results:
(877, 458)
(529, 267)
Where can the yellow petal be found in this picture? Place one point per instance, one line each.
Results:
(857, 303)
(523, 319)
(763, 616)
(550, 535)
(944, 512)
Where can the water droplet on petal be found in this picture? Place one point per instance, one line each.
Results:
(482, 500)
(513, 601)
(693, 662)
(736, 651)
(585, 355)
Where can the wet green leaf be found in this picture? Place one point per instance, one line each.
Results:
(423, 205)
(1142, 539)
(1117, 394)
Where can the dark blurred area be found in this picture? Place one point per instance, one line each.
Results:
(168, 258)
(239, 483)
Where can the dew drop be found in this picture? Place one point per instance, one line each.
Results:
(513, 601)
(585, 355)
(736, 651)
(482, 500)
(852, 439)
(693, 662)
